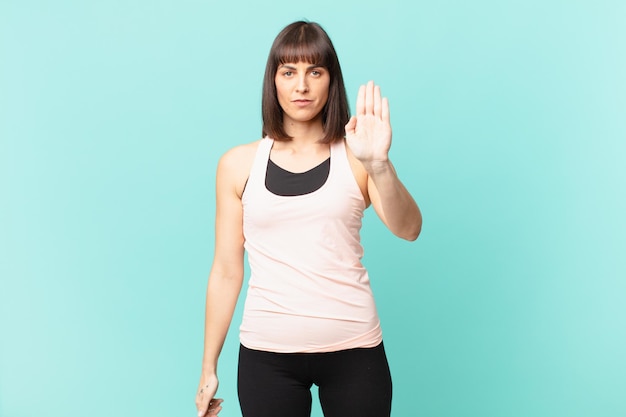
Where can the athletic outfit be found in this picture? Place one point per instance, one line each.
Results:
(309, 316)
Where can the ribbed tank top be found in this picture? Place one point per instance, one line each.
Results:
(308, 290)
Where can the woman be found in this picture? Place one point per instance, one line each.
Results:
(294, 201)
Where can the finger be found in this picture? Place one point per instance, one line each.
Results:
(351, 126)
(202, 403)
(384, 114)
(377, 101)
(202, 410)
(369, 98)
(360, 101)
(215, 407)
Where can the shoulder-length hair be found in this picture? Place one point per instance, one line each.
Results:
(305, 42)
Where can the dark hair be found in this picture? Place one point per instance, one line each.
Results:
(308, 42)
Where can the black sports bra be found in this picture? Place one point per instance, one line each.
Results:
(281, 182)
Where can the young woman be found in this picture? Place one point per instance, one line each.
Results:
(294, 201)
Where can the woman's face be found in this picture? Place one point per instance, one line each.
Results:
(302, 90)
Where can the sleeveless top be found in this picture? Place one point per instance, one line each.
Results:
(308, 291)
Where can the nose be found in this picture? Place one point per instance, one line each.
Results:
(302, 86)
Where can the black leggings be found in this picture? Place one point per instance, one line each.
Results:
(353, 382)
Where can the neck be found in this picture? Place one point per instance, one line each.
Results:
(304, 132)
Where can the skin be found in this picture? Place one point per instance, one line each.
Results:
(302, 90)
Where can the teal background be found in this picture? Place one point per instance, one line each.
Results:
(509, 130)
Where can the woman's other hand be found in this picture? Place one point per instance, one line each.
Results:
(206, 404)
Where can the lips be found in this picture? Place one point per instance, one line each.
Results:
(302, 102)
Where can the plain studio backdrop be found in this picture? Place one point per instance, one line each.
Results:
(509, 122)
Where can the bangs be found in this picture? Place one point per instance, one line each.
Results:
(304, 46)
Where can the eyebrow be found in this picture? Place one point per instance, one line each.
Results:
(310, 67)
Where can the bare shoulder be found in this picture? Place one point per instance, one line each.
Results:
(239, 155)
(235, 165)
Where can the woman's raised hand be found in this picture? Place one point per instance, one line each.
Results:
(368, 134)
(205, 403)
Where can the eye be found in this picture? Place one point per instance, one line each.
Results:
(288, 73)
(316, 73)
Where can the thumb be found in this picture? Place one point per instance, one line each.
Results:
(203, 407)
(351, 126)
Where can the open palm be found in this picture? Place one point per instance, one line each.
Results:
(368, 134)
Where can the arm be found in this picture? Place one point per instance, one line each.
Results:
(392, 202)
(368, 135)
(225, 278)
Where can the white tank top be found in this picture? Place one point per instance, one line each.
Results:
(308, 291)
